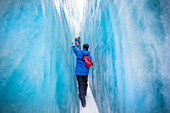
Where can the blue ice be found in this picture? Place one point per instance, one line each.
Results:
(129, 42)
(36, 59)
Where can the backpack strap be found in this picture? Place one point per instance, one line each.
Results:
(81, 59)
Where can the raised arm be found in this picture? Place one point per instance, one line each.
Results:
(75, 49)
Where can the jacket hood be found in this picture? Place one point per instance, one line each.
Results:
(85, 52)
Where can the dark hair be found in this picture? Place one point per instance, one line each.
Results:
(86, 46)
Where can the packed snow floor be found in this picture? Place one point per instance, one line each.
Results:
(91, 106)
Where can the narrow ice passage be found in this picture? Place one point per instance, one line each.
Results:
(129, 43)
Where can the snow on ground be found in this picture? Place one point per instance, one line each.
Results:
(91, 106)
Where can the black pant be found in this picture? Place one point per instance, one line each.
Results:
(82, 85)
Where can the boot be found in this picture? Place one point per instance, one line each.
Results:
(83, 102)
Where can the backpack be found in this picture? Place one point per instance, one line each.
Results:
(87, 61)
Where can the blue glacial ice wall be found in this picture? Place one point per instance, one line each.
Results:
(130, 43)
(36, 72)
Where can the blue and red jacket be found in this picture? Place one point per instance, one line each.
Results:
(81, 68)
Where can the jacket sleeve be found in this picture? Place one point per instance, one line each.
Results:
(76, 50)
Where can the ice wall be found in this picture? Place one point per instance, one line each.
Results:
(37, 65)
(130, 42)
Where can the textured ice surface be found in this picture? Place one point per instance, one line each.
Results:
(36, 59)
(130, 43)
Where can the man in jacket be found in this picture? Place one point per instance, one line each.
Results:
(82, 71)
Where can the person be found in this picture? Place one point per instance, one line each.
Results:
(82, 71)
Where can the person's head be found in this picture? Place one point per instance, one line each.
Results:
(86, 46)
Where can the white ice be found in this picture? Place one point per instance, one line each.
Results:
(91, 106)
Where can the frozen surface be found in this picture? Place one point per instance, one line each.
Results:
(37, 65)
(129, 42)
(130, 45)
(91, 106)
